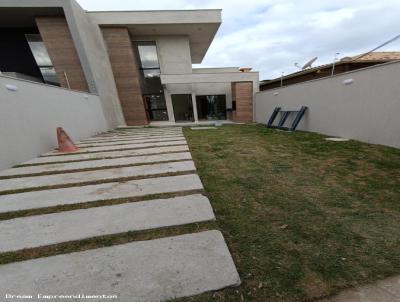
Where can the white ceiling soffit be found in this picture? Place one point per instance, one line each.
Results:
(199, 25)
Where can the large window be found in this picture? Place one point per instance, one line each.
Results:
(152, 89)
(211, 107)
(42, 59)
(183, 107)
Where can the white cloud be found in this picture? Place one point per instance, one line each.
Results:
(270, 35)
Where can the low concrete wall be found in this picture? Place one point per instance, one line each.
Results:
(366, 109)
(29, 118)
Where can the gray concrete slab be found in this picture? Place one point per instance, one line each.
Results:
(337, 139)
(115, 190)
(122, 133)
(33, 182)
(136, 137)
(391, 285)
(145, 140)
(154, 270)
(369, 293)
(42, 230)
(203, 128)
(120, 147)
(95, 164)
(110, 154)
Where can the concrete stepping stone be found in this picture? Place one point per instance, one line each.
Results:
(120, 147)
(106, 191)
(136, 137)
(203, 128)
(118, 133)
(35, 231)
(110, 154)
(126, 129)
(153, 270)
(147, 140)
(34, 182)
(337, 139)
(95, 164)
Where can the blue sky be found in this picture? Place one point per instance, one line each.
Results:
(271, 35)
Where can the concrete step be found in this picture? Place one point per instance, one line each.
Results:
(115, 190)
(154, 270)
(129, 133)
(95, 164)
(42, 230)
(146, 140)
(136, 137)
(203, 128)
(109, 154)
(120, 147)
(33, 182)
(136, 134)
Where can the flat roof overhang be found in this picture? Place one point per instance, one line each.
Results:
(18, 17)
(199, 25)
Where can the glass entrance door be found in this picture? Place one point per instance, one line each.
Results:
(183, 107)
(211, 107)
(155, 107)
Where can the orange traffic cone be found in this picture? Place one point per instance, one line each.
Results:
(65, 144)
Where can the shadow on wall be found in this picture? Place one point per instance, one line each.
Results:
(361, 105)
(31, 112)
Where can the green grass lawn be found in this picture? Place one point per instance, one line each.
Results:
(303, 217)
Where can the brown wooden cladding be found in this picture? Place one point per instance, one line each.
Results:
(61, 48)
(242, 93)
(126, 74)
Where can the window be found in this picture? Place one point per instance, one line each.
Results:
(153, 92)
(211, 107)
(42, 59)
(155, 107)
(149, 67)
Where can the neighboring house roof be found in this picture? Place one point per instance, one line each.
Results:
(374, 57)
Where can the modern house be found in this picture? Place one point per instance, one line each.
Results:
(139, 63)
(346, 64)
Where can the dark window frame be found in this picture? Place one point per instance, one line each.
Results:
(143, 79)
(37, 38)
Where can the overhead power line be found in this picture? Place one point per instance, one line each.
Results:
(383, 44)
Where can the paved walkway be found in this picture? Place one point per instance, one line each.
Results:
(387, 290)
(131, 164)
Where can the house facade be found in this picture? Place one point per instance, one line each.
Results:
(138, 62)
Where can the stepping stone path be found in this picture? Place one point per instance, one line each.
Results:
(125, 180)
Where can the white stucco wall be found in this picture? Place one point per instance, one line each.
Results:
(29, 118)
(366, 110)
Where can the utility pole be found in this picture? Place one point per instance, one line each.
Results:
(334, 62)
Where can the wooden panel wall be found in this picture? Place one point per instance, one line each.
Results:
(242, 93)
(126, 74)
(60, 46)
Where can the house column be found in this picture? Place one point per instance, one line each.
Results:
(194, 104)
(126, 74)
(170, 108)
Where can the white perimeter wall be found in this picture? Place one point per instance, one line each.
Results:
(367, 110)
(29, 118)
